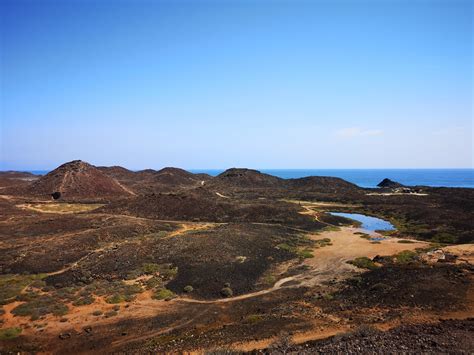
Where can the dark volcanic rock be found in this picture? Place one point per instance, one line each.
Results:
(389, 183)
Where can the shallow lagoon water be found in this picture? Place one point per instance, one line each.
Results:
(369, 223)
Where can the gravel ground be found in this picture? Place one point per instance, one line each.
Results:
(446, 337)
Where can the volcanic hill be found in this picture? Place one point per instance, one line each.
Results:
(78, 179)
(152, 181)
(246, 178)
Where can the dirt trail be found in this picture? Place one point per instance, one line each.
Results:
(221, 195)
(276, 286)
(320, 203)
(184, 228)
(190, 227)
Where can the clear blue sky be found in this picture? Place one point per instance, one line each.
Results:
(216, 84)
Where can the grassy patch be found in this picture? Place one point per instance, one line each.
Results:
(363, 263)
(163, 294)
(117, 291)
(40, 306)
(254, 318)
(319, 243)
(305, 253)
(164, 271)
(84, 300)
(9, 333)
(11, 286)
(444, 237)
(331, 229)
(269, 280)
(406, 256)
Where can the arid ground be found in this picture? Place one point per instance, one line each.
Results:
(103, 259)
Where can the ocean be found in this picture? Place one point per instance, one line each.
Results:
(369, 177)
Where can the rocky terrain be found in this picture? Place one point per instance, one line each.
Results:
(104, 259)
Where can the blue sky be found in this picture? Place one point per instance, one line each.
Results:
(216, 84)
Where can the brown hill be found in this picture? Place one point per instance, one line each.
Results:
(152, 181)
(246, 178)
(78, 179)
(324, 184)
(176, 176)
(16, 178)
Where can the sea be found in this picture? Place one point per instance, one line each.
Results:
(369, 177)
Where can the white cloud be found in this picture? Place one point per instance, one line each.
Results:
(358, 132)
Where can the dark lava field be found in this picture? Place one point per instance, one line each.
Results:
(107, 260)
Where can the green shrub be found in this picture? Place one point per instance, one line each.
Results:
(319, 243)
(110, 314)
(286, 247)
(115, 299)
(83, 301)
(163, 294)
(41, 306)
(254, 318)
(188, 289)
(406, 241)
(444, 237)
(11, 286)
(227, 292)
(153, 282)
(97, 313)
(150, 268)
(363, 263)
(305, 254)
(328, 297)
(9, 333)
(406, 256)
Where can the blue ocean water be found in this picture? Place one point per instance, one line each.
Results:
(369, 223)
(369, 177)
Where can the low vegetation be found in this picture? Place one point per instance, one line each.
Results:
(226, 292)
(11, 286)
(363, 263)
(40, 305)
(163, 294)
(406, 256)
(10, 333)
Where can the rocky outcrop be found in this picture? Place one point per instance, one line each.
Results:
(387, 183)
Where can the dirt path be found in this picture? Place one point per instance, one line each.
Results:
(190, 227)
(60, 208)
(125, 188)
(185, 227)
(275, 287)
(221, 195)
